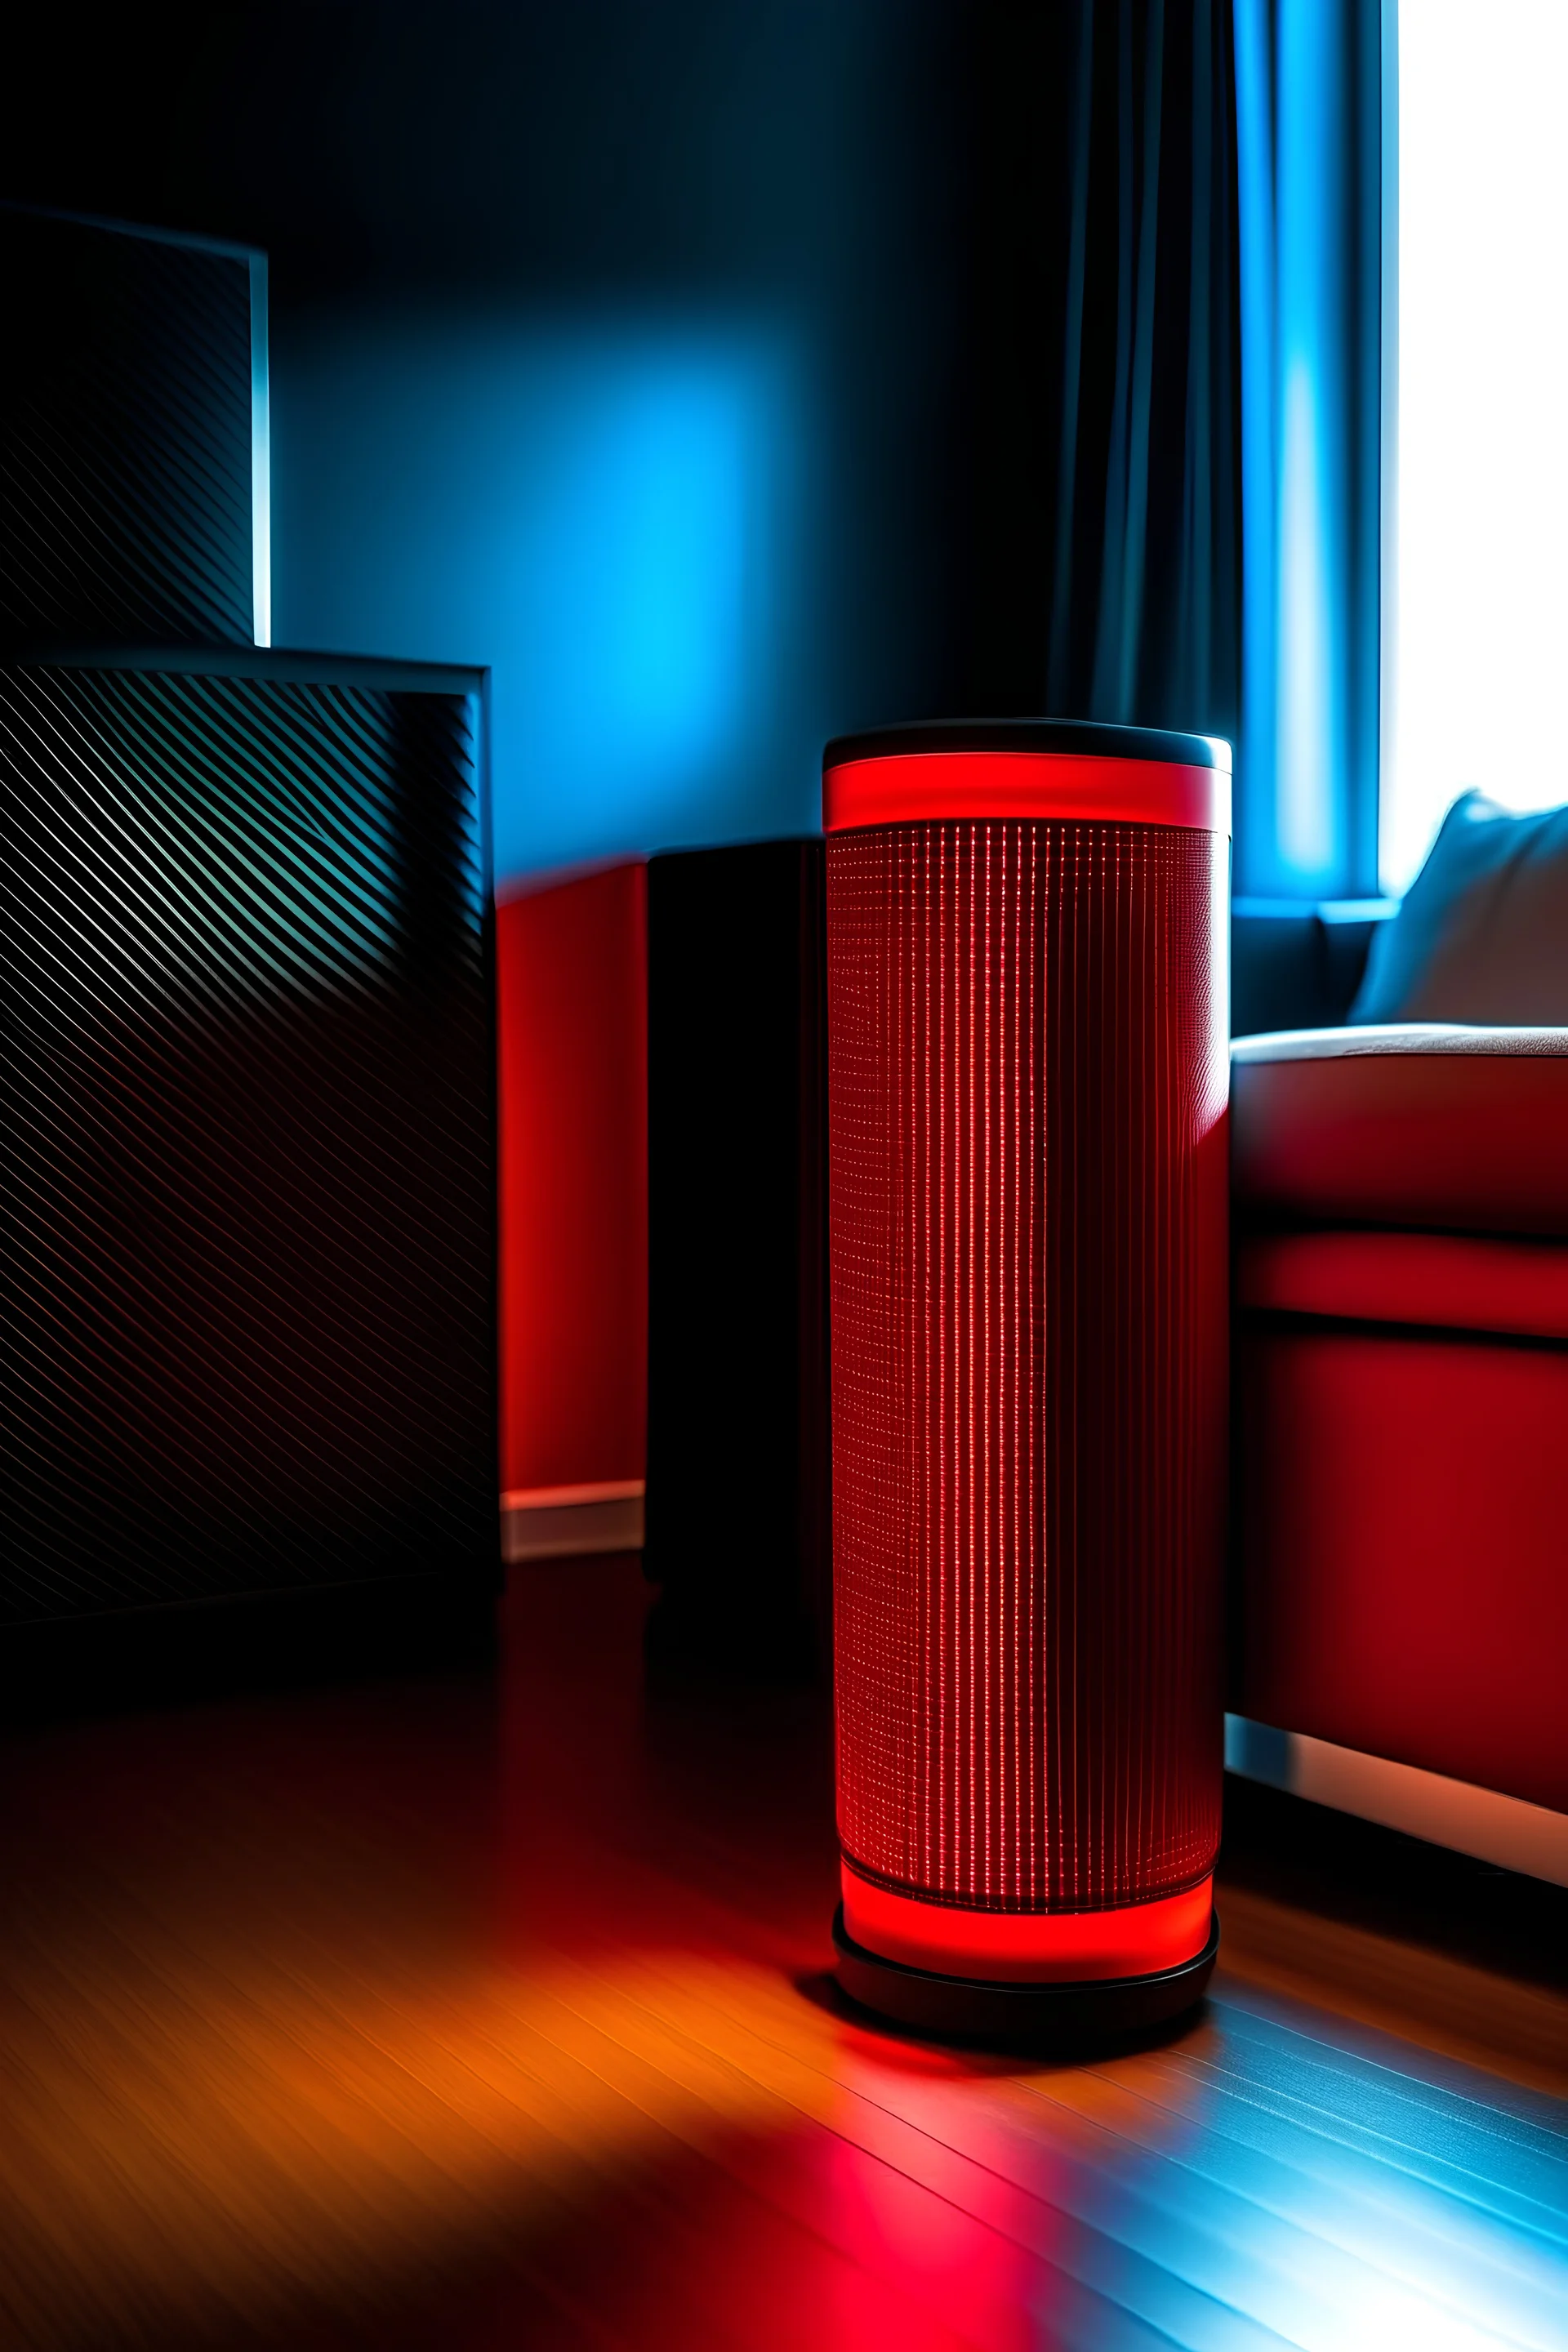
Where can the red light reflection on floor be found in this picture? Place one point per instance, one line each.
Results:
(480, 2013)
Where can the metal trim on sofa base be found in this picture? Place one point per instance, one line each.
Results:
(1455, 1813)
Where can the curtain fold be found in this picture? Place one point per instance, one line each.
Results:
(1143, 624)
(1213, 502)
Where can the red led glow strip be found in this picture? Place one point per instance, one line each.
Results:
(925, 787)
(1028, 1946)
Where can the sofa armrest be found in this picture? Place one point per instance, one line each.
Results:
(1425, 1126)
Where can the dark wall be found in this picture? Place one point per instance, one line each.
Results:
(792, 161)
(884, 188)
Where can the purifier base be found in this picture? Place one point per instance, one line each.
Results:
(1020, 2015)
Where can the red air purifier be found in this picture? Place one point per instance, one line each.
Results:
(1028, 1086)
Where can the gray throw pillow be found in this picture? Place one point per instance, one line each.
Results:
(1482, 935)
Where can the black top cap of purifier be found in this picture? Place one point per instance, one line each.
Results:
(1079, 737)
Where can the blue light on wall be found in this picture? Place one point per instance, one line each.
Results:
(609, 516)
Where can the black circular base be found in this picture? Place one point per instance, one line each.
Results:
(1020, 2016)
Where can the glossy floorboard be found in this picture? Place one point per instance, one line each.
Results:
(489, 2008)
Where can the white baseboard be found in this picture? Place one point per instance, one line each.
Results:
(562, 1522)
(1504, 1830)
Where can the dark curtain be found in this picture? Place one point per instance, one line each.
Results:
(1100, 368)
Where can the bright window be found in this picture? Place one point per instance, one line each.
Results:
(1476, 629)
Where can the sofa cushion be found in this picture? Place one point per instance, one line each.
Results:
(1482, 935)
(1435, 1126)
(1436, 1282)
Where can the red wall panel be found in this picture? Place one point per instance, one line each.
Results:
(572, 973)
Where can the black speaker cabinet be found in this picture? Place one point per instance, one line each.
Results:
(249, 1135)
(737, 1509)
(133, 401)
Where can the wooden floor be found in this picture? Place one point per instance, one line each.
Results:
(490, 2007)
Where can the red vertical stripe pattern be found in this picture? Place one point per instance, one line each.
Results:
(1028, 1080)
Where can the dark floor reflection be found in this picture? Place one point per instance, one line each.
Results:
(486, 2008)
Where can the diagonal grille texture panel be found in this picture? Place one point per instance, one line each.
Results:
(125, 437)
(248, 1138)
(1027, 1089)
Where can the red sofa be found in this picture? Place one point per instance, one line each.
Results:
(1400, 1210)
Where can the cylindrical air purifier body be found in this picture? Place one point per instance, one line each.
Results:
(1027, 1089)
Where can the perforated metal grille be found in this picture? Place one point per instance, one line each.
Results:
(247, 1144)
(1027, 1084)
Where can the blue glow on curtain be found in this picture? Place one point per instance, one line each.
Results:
(1303, 719)
(1308, 357)
(261, 458)
(1308, 172)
